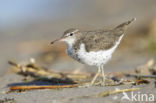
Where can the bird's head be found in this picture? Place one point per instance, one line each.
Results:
(69, 36)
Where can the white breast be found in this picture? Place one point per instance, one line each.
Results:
(99, 58)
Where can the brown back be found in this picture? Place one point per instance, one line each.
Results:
(101, 39)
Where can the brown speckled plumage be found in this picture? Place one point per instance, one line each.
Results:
(100, 39)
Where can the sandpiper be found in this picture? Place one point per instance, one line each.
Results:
(94, 47)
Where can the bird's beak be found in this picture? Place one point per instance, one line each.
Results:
(57, 40)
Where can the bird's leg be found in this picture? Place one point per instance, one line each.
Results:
(103, 75)
(95, 77)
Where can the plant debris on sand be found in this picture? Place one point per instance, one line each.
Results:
(141, 75)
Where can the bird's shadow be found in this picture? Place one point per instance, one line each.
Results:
(54, 81)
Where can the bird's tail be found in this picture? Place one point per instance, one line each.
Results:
(125, 24)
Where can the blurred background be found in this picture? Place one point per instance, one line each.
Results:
(28, 26)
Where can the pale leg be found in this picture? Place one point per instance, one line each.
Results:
(95, 77)
(103, 75)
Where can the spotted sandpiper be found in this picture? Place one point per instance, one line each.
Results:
(93, 47)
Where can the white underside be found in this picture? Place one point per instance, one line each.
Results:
(99, 58)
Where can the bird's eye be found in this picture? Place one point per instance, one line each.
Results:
(71, 34)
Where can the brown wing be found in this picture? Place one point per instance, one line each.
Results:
(102, 40)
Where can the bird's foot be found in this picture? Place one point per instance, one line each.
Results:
(106, 82)
(101, 83)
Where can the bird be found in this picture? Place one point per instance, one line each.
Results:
(94, 47)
